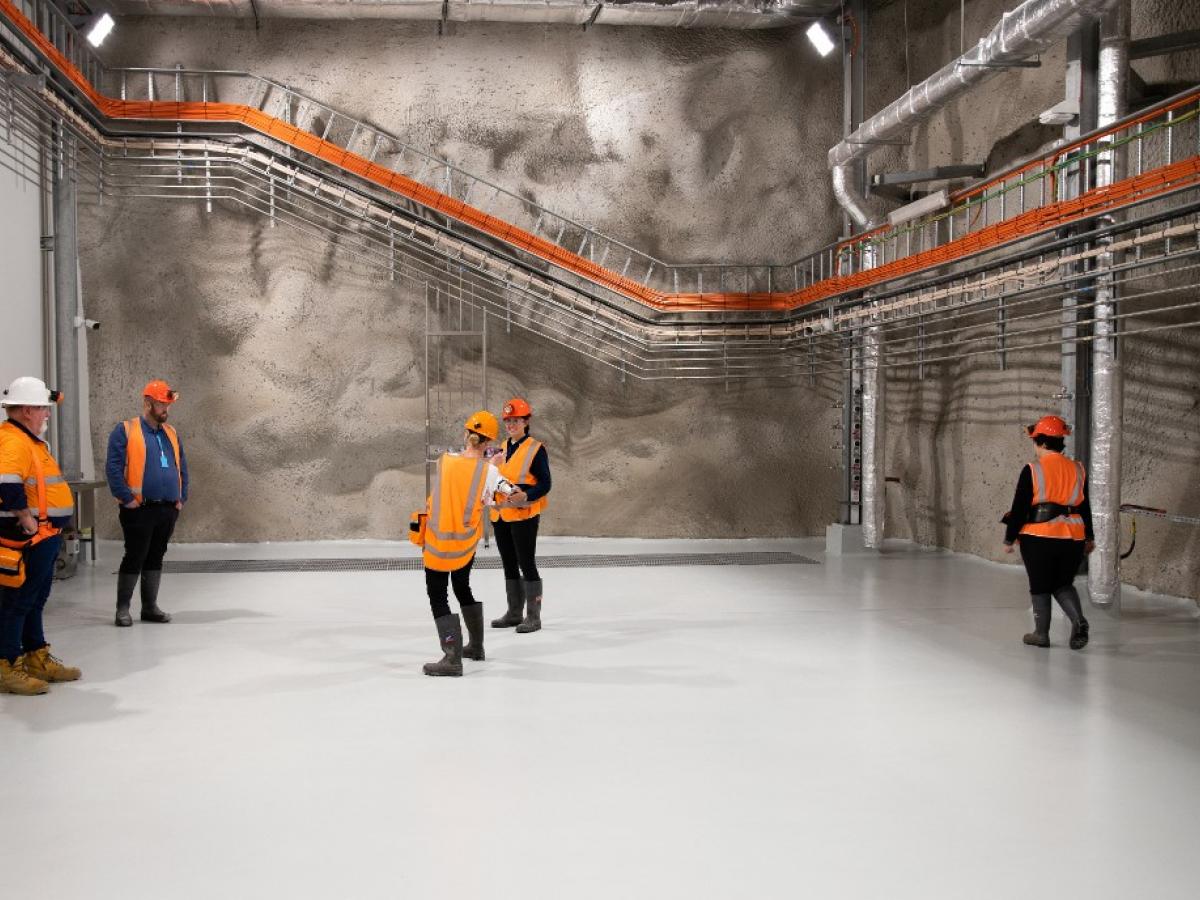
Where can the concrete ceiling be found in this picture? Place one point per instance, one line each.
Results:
(668, 13)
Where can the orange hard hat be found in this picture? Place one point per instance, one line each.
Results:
(160, 391)
(1050, 426)
(483, 422)
(516, 408)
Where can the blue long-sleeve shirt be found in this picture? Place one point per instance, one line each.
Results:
(159, 482)
(539, 469)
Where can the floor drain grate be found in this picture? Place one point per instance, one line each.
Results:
(384, 564)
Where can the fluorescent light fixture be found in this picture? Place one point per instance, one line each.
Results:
(820, 38)
(100, 30)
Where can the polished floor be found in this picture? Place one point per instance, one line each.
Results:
(869, 727)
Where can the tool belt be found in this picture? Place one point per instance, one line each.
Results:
(12, 563)
(1047, 512)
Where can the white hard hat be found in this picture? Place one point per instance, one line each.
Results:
(28, 391)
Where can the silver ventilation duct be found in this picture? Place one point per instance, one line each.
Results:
(1104, 481)
(873, 509)
(1033, 27)
(737, 14)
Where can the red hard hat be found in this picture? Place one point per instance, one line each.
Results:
(516, 408)
(1050, 426)
(160, 391)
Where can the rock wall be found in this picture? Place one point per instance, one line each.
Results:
(954, 437)
(302, 370)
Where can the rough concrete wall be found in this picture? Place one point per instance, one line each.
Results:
(954, 437)
(303, 406)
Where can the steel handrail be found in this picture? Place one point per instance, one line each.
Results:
(826, 280)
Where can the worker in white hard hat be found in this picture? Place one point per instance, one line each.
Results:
(35, 505)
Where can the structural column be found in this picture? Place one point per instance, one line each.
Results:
(66, 306)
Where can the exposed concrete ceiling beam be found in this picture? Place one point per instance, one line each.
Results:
(735, 14)
(1166, 43)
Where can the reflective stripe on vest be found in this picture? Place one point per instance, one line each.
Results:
(135, 456)
(1057, 479)
(455, 513)
(46, 490)
(516, 469)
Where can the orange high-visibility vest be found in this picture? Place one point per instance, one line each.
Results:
(1057, 479)
(516, 470)
(135, 456)
(26, 461)
(455, 508)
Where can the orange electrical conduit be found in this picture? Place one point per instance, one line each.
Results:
(1140, 187)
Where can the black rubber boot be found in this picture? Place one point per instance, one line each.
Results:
(1068, 599)
(450, 634)
(472, 615)
(516, 603)
(125, 586)
(1040, 636)
(150, 610)
(533, 608)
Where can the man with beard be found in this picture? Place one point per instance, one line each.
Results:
(147, 473)
(35, 505)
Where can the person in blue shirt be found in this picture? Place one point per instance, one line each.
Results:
(147, 473)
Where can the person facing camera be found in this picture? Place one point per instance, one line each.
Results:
(523, 461)
(35, 506)
(147, 473)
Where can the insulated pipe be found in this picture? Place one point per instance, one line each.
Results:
(66, 305)
(1033, 27)
(873, 512)
(1104, 477)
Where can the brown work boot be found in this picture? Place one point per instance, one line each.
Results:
(42, 664)
(15, 680)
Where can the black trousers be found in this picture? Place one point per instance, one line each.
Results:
(435, 587)
(517, 543)
(1050, 563)
(147, 531)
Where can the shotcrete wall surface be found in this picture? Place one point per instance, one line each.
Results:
(954, 437)
(301, 370)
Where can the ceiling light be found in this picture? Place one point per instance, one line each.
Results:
(100, 30)
(820, 38)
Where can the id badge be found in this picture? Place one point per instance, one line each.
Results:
(162, 459)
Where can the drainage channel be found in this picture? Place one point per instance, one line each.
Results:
(385, 564)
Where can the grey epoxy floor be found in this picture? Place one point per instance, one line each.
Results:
(869, 727)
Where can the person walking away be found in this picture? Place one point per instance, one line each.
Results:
(1051, 519)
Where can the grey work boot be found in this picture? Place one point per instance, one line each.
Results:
(533, 608)
(1040, 636)
(1068, 599)
(125, 585)
(450, 634)
(515, 590)
(472, 616)
(150, 610)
